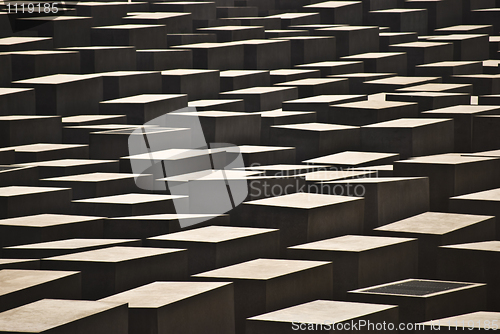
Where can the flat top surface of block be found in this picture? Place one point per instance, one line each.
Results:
(282, 113)
(129, 26)
(320, 127)
(487, 246)
(9, 261)
(318, 311)
(417, 288)
(24, 117)
(25, 190)
(327, 175)
(129, 199)
(449, 64)
(284, 167)
(352, 243)
(213, 234)
(20, 40)
(432, 87)
(45, 147)
(258, 149)
(398, 10)
(114, 254)
(171, 154)
(13, 280)
(41, 52)
(364, 180)
(166, 216)
(207, 103)
(351, 158)
(230, 28)
(463, 109)
(481, 319)
(303, 200)
(420, 44)
(145, 98)
(436, 223)
(47, 314)
(446, 159)
(455, 37)
(159, 294)
(262, 269)
(238, 73)
(94, 177)
(407, 123)
(374, 104)
(88, 118)
(212, 113)
(56, 79)
(45, 220)
(5, 91)
(291, 71)
(66, 162)
(181, 72)
(346, 27)
(324, 99)
(72, 244)
(309, 82)
(257, 90)
(487, 195)
(373, 55)
(400, 80)
(330, 63)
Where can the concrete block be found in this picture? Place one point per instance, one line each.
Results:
(218, 104)
(214, 247)
(116, 269)
(126, 205)
(356, 80)
(147, 226)
(17, 101)
(321, 104)
(176, 23)
(443, 13)
(29, 264)
(463, 120)
(278, 76)
(316, 139)
(165, 307)
(230, 33)
(21, 130)
(334, 67)
(234, 80)
(483, 133)
(351, 159)
(446, 69)
(22, 200)
(141, 36)
(96, 59)
(474, 322)
(424, 52)
(163, 59)
(401, 19)
(66, 315)
(197, 84)
(311, 214)
(335, 12)
(143, 108)
(391, 84)
(45, 152)
(370, 112)
(318, 86)
(390, 38)
(483, 84)
(62, 247)
(382, 62)
(271, 285)
(280, 117)
(21, 287)
(434, 229)
(451, 175)
(311, 49)
(361, 261)
(128, 83)
(216, 56)
(31, 64)
(18, 175)
(262, 98)
(22, 43)
(422, 300)
(466, 46)
(320, 315)
(65, 94)
(65, 167)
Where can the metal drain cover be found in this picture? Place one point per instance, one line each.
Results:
(417, 287)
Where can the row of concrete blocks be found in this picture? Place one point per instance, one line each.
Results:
(347, 261)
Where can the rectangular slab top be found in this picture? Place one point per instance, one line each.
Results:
(24, 190)
(129, 199)
(145, 98)
(46, 314)
(158, 294)
(303, 200)
(408, 123)
(323, 312)
(72, 243)
(262, 269)
(487, 195)
(351, 158)
(12, 280)
(484, 246)
(352, 243)
(114, 254)
(56, 79)
(46, 220)
(213, 234)
(436, 223)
